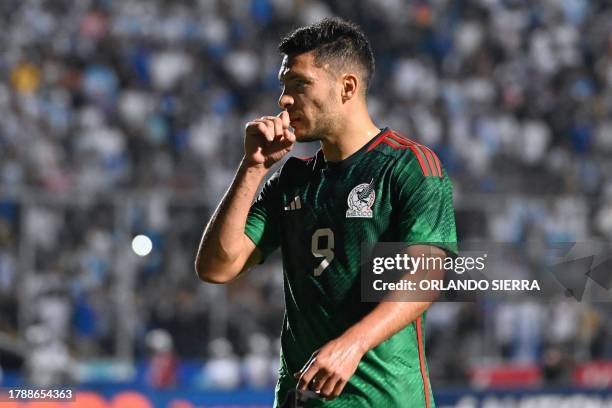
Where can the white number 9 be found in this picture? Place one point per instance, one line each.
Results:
(327, 252)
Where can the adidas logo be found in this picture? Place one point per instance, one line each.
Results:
(295, 204)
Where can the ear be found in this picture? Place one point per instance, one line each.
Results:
(350, 85)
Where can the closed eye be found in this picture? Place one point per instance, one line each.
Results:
(297, 85)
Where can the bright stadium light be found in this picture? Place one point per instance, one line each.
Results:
(142, 245)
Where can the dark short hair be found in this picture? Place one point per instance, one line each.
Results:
(335, 41)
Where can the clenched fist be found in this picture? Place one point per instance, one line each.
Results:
(267, 140)
(329, 368)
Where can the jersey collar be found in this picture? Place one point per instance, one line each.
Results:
(343, 164)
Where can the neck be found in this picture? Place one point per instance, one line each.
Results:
(349, 138)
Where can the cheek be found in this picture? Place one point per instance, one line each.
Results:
(320, 104)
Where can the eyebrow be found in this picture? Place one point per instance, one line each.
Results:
(292, 75)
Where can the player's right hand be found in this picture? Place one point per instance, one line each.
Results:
(267, 140)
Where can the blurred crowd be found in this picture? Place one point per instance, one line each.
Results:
(126, 117)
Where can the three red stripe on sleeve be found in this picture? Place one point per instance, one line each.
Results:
(428, 161)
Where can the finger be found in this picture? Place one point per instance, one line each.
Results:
(255, 127)
(276, 124)
(328, 387)
(306, 366)
(307, 376)
(276, 128)
(322, 383)
(265, 130)
(286, 147)
(284, 116)
(337, 389)
(289, 136)
(250, 126)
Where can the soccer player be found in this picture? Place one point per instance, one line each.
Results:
(365, 184)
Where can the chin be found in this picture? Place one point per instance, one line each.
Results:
(304, 136)
(301, 137)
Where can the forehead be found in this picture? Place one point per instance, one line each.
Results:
(302, 65)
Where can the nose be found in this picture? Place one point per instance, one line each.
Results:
(285, 101)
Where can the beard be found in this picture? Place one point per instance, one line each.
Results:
(313, 135)
(326, 122)
(324, 125)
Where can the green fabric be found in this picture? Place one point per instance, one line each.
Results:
(321, 300)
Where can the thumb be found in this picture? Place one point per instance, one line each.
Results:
(284, 115)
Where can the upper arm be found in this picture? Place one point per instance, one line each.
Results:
(262, 229)
(433, 270)
(425, 205)
(259, 238)
(254, 255)
(249, 256)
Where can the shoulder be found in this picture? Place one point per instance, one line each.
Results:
(299, 165)
(294, 169)
(409, 155)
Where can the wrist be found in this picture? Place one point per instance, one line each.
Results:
(359, 339)
(253, 169)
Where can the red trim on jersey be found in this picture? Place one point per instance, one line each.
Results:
(432, 164)
(428, 161)
(432, 158)
(393, 145)
(378, 140)
(437, 164)
(419, 157)
(422, 361)
(414, 147)
(422, 149)
(305, 158)
(435, 159)
(400, 139)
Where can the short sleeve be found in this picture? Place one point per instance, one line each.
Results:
(262, 225)
(425, 202)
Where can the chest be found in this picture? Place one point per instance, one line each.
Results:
(353, 205)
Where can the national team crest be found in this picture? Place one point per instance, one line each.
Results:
(360, 201)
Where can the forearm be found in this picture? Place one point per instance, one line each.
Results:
(383, 322)
(338, 359)
(389, 317)
(222, 242)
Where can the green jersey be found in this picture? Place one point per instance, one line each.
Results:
(319, 213)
